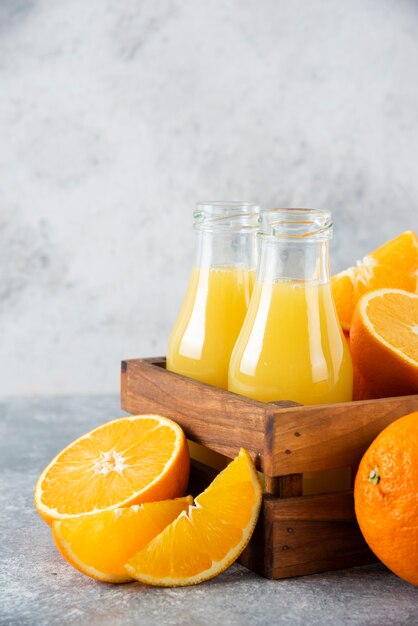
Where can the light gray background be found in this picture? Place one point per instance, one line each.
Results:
(116, 117)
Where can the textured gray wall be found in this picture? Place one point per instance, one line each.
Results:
(116, 117)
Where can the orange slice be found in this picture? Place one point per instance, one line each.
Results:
(200, 544)
(99, 545)
(131, 460)
(384, 341)
(393, 265)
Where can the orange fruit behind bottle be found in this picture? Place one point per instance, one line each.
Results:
(393, 265)
(384, 344)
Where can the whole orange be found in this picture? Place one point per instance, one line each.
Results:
(386, 497)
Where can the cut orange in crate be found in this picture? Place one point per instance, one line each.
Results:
(384, 341)
(99, 545)
(143, 458)
(362, 387)
(200, 544)
(393, 265)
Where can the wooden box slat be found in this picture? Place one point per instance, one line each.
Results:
(313, 438)
(209, 416)
(313, 534)
(282, 440)
(295, 535)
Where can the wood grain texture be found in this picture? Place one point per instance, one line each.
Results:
(221, 420)
(313, 438)
(312, 534)
(282, 438)
(284, 486)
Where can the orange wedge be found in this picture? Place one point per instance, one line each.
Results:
(384, 341)
(393, 265)
(99, 545)
(131, 460)
(200, 544)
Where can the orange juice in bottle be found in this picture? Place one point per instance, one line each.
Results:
(218, 294)
(291, 346)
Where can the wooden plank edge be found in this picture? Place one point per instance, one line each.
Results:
(143, 390)
(157, 363)
(312, 534)
(347, 561)
(348, 428)
(279, 456)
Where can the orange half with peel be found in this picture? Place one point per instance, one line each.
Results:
(131, 460)
(393, 265)
(384, 341)
(210, 536)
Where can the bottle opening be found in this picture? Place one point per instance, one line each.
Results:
(307, 224)
(226, 215)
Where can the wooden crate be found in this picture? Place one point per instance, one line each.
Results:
(296, 534)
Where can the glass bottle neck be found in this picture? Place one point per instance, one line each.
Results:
(226, 234)
(227, 248)
(293, 260)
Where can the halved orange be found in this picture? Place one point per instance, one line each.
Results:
(99, 545)
(362, 387)
(384, 341)
(203, 542)
(393, 265)
(143, 458)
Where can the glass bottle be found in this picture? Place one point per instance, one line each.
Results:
(219, 291)
(291, 346)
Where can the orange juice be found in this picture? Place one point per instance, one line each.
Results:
(209, 322)
(292, 347)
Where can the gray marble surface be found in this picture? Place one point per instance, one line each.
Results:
(37, 587)
(116, 117)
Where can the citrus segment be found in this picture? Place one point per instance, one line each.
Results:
(99, 545)
(203, 542)
(384, 342)
(393, 265)
(127, 461)
(386, 497)
(343, 293)
(394, 316)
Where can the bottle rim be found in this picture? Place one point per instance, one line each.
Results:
(295, 224)
(226, 216)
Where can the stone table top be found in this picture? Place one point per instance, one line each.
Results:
(37, 587)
